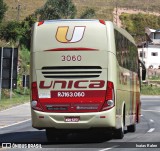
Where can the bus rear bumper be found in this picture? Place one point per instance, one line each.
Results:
(105, 119)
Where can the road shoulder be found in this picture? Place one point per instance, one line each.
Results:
(15, 115)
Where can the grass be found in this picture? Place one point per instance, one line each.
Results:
(6, 103)
(27, 7)
(155, 78)
(150, 90)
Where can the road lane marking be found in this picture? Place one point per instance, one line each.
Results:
(151, 121)
(151, 130)
(105, 149)
(150, 110)
(15, 124)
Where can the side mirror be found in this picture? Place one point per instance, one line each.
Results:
(143, 74)
(143, 69)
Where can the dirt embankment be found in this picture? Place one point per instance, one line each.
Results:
(118, 11)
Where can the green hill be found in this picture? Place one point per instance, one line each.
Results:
(27, 7)
(103, 8)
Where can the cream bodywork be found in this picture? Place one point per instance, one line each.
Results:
(96, 37)
(87, 120)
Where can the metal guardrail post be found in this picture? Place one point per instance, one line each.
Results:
(11, 84)
(1, 73)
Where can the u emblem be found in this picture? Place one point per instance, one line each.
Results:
(77, 34)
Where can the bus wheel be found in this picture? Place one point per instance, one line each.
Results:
(131, 128)
(119, 133)
(55, 135)
(51, 135)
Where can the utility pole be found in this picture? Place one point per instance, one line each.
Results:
(11, 76)
(1, 70)
(18, 10)
(115, 15)
(148, 6)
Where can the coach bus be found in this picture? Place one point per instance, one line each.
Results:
(84, 75)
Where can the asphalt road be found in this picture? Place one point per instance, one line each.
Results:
(146, 137)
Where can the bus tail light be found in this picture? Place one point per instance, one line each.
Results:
(110, 97)
(35, 101)
(40, 23)
(102, 22)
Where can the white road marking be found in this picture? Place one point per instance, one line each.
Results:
(15, 124)
(151, 130)
(150, 110)
(105, 149)
(151, 121)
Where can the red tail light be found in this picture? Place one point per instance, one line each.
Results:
(40, 23)
(35, 100)
(102, 22)
(34, 91)
(110, 98)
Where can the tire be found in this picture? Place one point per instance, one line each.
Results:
(131, 128)
(54, 135)
(51, 135)
(119, 133)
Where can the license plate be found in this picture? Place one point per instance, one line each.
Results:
(72, 119)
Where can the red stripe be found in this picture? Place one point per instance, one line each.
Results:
(91, 98)
(73, 49)
(72, 100)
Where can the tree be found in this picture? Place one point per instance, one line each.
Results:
(88, 13)
(11, 32)
(27, 26)
(57, 9)
(54, 9)
(18, 33)
(136, 23)
(3, 9)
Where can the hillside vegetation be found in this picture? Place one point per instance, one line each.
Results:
(27, 7)
(135, 24)
(18, 10)
(103, 8)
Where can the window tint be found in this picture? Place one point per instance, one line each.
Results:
(126, 52)
(142, 54)
(157, 35)
(154, 54)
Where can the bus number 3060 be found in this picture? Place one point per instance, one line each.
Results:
(71, 58)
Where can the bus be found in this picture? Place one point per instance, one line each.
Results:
(84, 75)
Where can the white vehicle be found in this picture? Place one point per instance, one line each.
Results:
(84, 75)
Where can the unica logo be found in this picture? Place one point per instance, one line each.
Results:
(77, 34)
